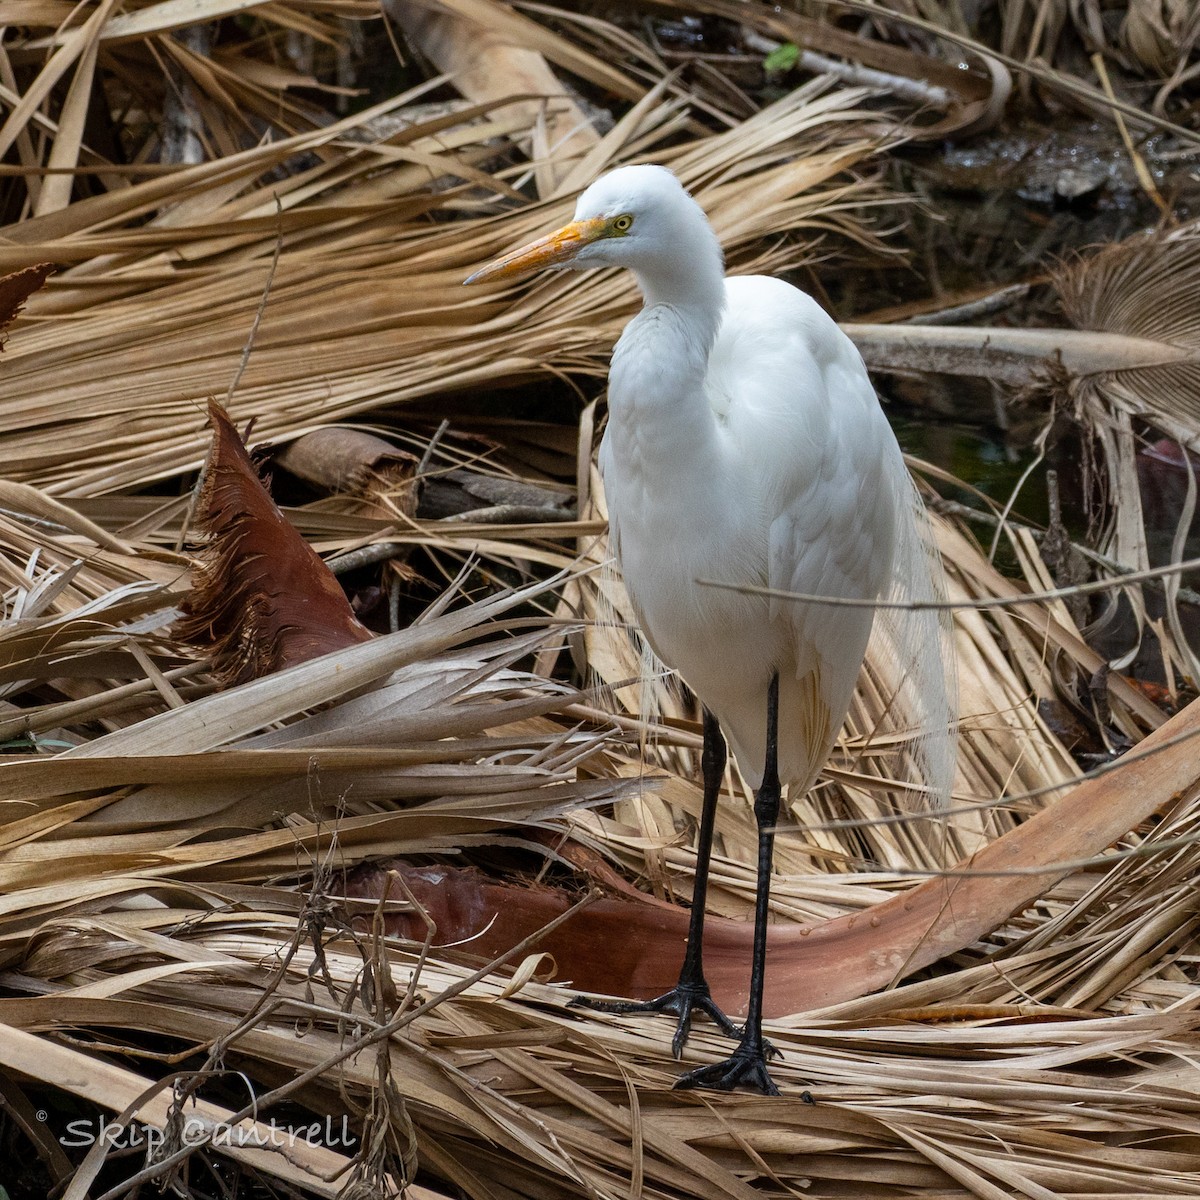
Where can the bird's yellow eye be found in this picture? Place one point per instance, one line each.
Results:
(623, 223)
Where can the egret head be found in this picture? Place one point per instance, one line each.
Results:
(638, 217)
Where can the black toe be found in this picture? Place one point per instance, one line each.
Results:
(746, 1067)
(682, 1001)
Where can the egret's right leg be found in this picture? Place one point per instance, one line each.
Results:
(691, 992)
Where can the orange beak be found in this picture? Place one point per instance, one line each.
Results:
(553, 250)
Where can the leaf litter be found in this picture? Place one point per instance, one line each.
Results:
(1005, 1009)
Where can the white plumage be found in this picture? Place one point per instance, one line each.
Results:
(745, 444)
(783, 479)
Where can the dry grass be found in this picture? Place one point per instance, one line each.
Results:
(171, 853)
(174, 878)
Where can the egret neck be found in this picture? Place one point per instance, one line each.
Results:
(656, 389)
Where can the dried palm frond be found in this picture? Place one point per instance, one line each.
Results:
(16, 288)
(1141, 290)
(262, 598)
(915, 1096)
(171, 908)
(1132, 357)
(491, 60)
(1059, 46)
(143, 876)
(365, 308)
(176, 84)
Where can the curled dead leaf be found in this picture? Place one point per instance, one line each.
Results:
(262, 599)
(340, 459)
(16, 288)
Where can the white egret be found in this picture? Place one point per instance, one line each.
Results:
(744, 444)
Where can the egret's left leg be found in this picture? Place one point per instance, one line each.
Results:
(747, 1065)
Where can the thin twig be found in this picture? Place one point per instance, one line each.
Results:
(1079, 589)
(427, 457)
(510, 514)
(1139, 163)
(366, 556)
(854, 75)
(500, 514)
(160, 1168)
(958, 314)
(194, 499)
(954, 508)
(1010, 503)
(262, 307)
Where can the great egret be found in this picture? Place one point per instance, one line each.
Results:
(744, 444)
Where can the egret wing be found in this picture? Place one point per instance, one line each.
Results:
(846, 523)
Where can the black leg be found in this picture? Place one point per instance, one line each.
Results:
(747, 1066)
(691, 992)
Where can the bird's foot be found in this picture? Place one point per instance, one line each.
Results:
(746, 1067)
(682, 1001)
